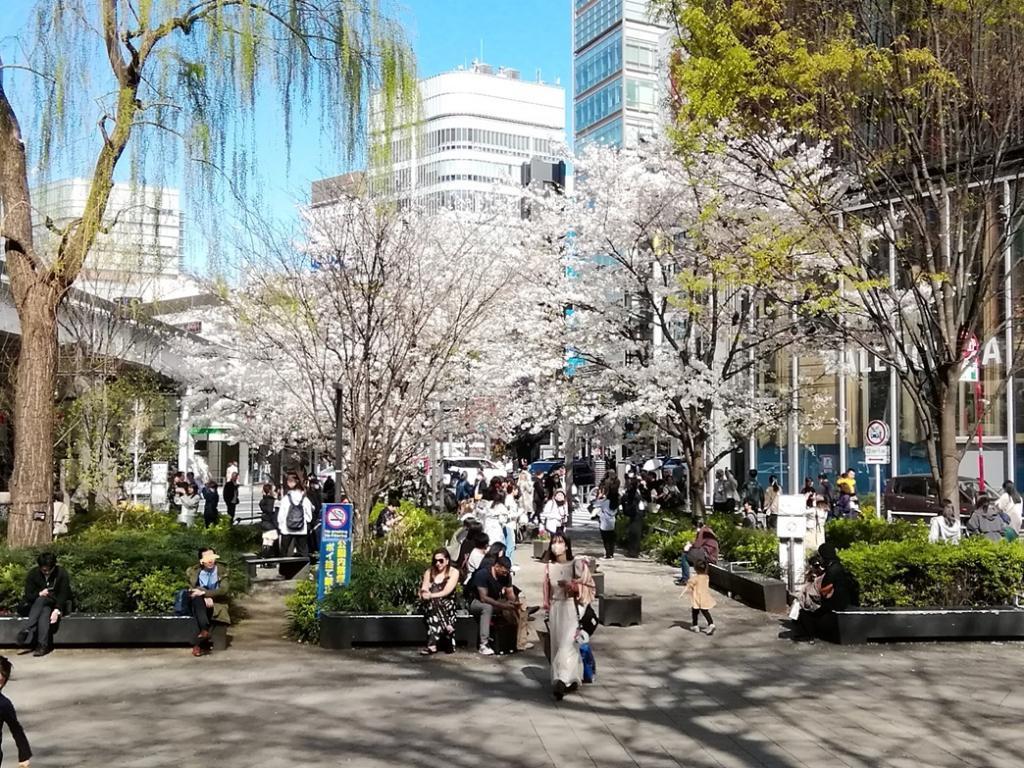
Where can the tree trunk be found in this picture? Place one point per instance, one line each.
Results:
(31, 521)
(949, 451)
(36, 296)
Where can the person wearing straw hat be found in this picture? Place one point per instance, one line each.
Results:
(209, 593)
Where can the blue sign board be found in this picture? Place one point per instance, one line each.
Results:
(335, 567)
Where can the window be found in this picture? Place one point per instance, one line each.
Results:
(599, 63)
(610, 133)
(596, 20)
(640, 95)
(639, 56)
(599, 105)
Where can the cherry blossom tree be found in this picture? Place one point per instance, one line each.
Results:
(689, 278)
(399, 311)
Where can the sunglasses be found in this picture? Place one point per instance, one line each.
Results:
(440, 561)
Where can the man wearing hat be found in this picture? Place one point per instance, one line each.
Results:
(209, 593)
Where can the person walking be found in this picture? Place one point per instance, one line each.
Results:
(539, 498)
(606, 521)
(632, 508)
(294, 514)
(698, 589)
(555, 513)
(210, 501)
(9, 718)
(268, 521)
(568, 590)
(231, 495)
(188, 501)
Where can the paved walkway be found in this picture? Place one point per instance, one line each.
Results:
(664, 697)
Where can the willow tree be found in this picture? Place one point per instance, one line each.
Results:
(190, 78)
(921, 103)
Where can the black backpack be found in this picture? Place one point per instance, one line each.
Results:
(296, 519)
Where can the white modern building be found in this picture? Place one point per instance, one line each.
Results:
(139, 258)
(475, 128)
(617, 73)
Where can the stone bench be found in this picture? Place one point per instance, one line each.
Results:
(124, 629)
(287, 567)
(343, 630)
(862, 625)
(757, 591)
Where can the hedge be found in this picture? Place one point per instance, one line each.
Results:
(914, 573)
(386, 573)
(872, 530)
(130, 560)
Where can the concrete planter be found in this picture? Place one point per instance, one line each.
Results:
(752, 588)
(540, 546)
(339, 631)
(125, 629)
(861, 625)
(623, 610)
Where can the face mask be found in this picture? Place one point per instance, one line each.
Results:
(558, 549)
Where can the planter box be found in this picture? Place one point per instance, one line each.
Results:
(128, 629)
(540, 546)
(624, 610)
(861, 625)
(752, 588)
(599, 584)
(343, 630)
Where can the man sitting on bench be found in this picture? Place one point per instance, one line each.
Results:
(209, 594)
(47, 596)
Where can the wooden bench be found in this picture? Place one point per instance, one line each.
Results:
(669, 526)
(124, 629)
(287, 567)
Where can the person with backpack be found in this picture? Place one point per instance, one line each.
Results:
(231, 494)
(210, 501)
(294, 515)
(9, 718)
(703, 549)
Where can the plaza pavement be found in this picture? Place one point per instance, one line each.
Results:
(664, 697)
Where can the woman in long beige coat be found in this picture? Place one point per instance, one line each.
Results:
(698, 589)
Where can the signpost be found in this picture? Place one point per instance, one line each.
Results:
(876, 451)
(335, 566)
(791, 526)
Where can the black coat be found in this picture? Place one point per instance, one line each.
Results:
(230, 492)
(268, 517)
(838, 588)
(57, 582)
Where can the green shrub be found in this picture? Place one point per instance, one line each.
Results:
(130, 568)
(378, 586)
(301, 607)
(417, 534)
(872, 530)
(915, 573)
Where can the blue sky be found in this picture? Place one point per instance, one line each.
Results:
(523, 34)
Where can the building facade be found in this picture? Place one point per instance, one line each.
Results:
(474, 130)
(617, 74)
(140, 258)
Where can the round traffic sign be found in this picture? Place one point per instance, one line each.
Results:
(877, 433)
(336, 518)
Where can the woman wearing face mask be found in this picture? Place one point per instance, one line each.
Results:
(568, 590)
(554, 515)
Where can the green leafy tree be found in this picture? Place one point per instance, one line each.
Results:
(180, 83)
(921, 104)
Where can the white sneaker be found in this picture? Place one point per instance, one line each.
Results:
(711, 629)
(486, 650)
(695, 628)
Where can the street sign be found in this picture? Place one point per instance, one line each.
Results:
(876, 454)
(335, 566)
(877, 433)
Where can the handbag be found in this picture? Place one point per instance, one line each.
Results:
(182, 602)
(587, 619)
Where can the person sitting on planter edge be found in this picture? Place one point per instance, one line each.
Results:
(839, 591)
(987, 520)
(945, 527)
(47, 597)
(491, 593)
(209, 592)
(704, 548)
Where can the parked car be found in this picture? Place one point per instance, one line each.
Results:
(914, 497)
(471, 465)
(582, 470)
